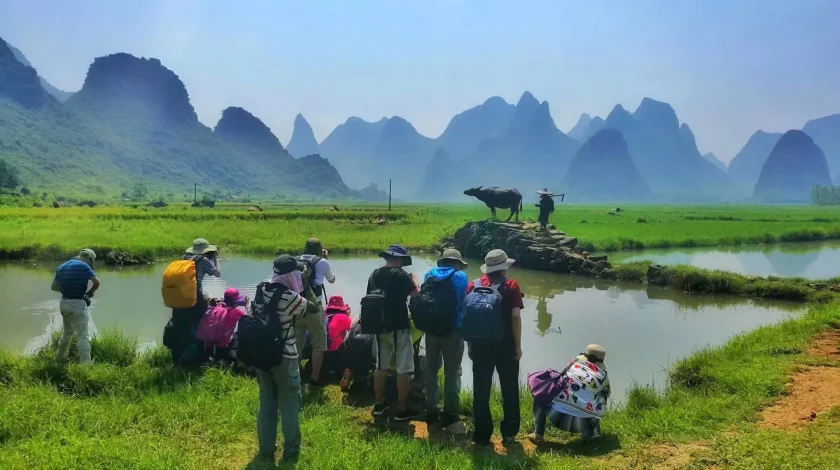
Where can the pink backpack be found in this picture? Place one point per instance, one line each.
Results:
(217, 325)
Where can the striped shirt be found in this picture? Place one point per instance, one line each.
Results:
(203, 267)
(72, 278)
(291, 305)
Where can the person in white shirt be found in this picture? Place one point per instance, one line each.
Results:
(317, 271)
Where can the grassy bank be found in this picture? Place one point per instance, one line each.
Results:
(135, 411)
(150, 232)
(694, 280)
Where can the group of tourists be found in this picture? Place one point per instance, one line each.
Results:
(289, 318)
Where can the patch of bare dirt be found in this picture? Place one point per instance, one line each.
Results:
(826, 346)
(663, 456)
(810, 393)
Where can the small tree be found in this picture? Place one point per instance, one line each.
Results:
(25, 191)
(140, 192)
(8, 176)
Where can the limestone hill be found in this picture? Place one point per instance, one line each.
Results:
(793, 167)
(604, 171)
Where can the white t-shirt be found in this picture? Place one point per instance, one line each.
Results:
(323, 271)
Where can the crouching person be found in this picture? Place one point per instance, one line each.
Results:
(580, 399)
(265, 340)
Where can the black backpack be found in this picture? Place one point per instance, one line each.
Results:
(434, 308)
(258, 342)
(311, 261)
(373, 309)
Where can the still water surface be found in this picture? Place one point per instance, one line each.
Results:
(813, 260)
(644, 329)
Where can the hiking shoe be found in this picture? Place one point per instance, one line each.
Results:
(406, 415)
(536, 438)
(379, 409)
(346, 379)
(317, 383)
(448, 419)
(431, 416)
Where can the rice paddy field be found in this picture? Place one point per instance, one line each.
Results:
(156, 232)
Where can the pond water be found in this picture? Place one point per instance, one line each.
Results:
(811, 260)
(644, 329)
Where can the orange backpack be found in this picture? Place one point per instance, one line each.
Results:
(180, 285)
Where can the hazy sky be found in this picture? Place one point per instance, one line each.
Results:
(728, 67)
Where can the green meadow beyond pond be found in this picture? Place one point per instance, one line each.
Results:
(644, 329)
(47, 233)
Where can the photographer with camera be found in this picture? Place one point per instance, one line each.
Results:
(71, 280)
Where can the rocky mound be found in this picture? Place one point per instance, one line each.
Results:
(303, 141)
(604, 171)
(239, 126)
(794, 166)
(530, 247)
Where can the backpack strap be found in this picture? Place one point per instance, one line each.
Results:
(477, 283)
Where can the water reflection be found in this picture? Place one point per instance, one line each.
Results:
(817, 260)
(643, 328)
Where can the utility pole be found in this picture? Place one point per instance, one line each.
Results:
(389, 194)
(195, 192)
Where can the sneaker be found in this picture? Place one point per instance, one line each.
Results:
(379, 409)
(346, 379)
(406, 415)
(536, 438)
(431, 416)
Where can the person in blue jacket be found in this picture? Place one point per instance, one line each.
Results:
(449, 349)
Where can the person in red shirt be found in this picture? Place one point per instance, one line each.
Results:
(504, 360)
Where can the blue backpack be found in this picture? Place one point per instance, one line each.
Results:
(483, 321)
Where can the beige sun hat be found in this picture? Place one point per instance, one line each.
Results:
(201, 246)
(452, 254)
(87, 254)
(496, 260)
(596, 351)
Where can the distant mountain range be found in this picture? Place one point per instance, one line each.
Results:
(133, 121)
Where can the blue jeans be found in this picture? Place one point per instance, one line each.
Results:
(279, 391)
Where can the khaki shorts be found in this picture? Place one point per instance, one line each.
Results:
(394, 344)
(314, 323)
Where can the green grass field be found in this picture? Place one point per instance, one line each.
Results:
(47, 232)
(135, 411)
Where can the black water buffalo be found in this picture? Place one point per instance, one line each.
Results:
(498, 197)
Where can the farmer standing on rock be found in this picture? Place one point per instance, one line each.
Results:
(546, 206)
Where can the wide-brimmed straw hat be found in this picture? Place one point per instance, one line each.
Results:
(496, 260)
(452, 255)
(201, 246)
(596, 351)
(396, 251)
(545, 192)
